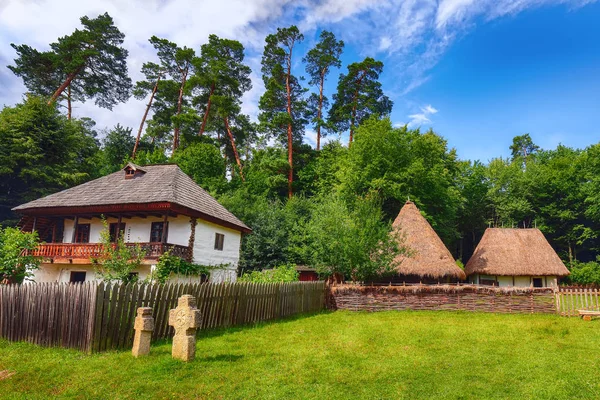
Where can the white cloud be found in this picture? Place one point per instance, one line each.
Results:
(428, 109)
(423, 117)
(414, 34)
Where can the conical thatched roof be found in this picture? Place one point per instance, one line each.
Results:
(428, 256)
(518, 252)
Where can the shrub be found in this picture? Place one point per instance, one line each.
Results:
(15, 265)
(169, 264)
(282, 273)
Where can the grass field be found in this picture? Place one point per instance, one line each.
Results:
(336, 356)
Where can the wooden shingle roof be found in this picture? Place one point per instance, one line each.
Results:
(153, 184)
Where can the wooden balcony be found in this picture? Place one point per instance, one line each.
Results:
(85, 251)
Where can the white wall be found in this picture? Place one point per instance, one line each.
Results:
(138, 230)
(62, 272)
(205, 253)
(519, 281)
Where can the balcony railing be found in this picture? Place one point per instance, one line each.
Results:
(94, 250)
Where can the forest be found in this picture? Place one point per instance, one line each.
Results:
(327, 206)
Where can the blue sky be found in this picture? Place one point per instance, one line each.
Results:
(476, 71)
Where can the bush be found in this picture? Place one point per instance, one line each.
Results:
(282, 273)
(168, 265)
(15, 266)
(585, 273)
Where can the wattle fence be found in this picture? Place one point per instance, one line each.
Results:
(443, 297)
(95, 317)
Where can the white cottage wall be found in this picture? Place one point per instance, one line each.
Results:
(206, 254)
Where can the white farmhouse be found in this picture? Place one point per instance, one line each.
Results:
(158, 207)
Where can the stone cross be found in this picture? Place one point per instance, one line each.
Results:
(185, 319)
(144, 325)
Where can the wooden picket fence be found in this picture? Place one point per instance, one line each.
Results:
(570, 301)
(96, 317)
(48, 314)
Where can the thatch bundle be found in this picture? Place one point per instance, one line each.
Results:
(515, 252)
(427, 255)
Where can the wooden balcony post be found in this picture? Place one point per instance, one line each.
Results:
(34, 223)
(190, 250)
(118, 233)
(75, 222)
(54, 232)
(163, 238)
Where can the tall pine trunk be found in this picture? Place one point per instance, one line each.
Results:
(203, 126)
(179, 101)
(354, 106)
(233, 146)
(289, 127)
(65, 84)
(69, 109)
(319, 112)
(139, 134)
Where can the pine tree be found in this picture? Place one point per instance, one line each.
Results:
(89, 64)
(319, 61)
(358, 96)
(283, 106)
(153, 73)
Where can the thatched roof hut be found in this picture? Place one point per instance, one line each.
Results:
(428, 256)
(516, 252)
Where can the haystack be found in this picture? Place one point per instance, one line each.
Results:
(427, 255)
(516, 252)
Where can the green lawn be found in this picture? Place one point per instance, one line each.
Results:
(336, 355)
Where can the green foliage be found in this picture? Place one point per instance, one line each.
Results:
(359, 96)
(584, 273)
(116, 149)
(282, 273)
(15, 266)
(117, 261)
(398, 163)
(523, 146)
(169, 265)
(319, 61)
(351, 240)
(276, 69)
(204, 163)
(41, 152)
(92, 57)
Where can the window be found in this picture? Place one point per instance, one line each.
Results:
(112, 228)
(134, 276)
(82, 233)
(77, 277)
(156, 232)
(129, 173)
(219, 239)
(537, 282)
(489, 282)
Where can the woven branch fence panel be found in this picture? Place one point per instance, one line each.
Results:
(96, 317)
(442, 297)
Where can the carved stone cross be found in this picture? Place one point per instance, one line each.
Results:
(144, 325)
(185, 319)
